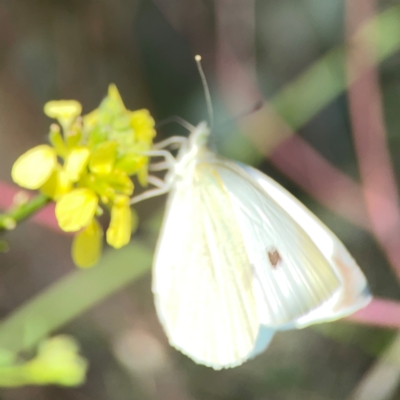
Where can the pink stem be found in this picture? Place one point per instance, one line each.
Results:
(379, 312)
(266, 129)
(379, 185)
(305, 166)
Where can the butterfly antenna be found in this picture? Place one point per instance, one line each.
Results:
(206, 90)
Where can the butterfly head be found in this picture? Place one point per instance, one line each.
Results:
(196, 142)
(191, 151)
(199, 136)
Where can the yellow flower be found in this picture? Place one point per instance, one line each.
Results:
(87, 244)
(88, 168)
(115, 97)
(131, 163)
(58, 184)
(64, 111)
(33, 168)
(142, 175)
(143, 125)
(103, 158)
(76, 209)
(76, 162)
(57, 140)
(120, 229)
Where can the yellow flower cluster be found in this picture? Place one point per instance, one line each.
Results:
(88, 167)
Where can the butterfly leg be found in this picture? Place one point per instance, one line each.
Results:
(168, 163)
(161, 187)
(176, 141)
(178, 120)
(158, 151)
(161, 166)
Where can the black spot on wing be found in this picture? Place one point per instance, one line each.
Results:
(274, 257)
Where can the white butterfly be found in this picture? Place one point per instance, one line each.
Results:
(239, 258)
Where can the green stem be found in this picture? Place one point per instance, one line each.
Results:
(71, 296)
(10, 219)
(303, 98)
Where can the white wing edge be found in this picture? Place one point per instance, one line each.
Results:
(263, 340)
(264, 337)
(354, 293)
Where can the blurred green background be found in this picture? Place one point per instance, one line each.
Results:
(66, 49)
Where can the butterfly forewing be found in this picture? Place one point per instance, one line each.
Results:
(202, 278)
(293, 274)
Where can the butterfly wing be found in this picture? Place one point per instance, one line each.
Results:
(237, 250)
(354, 293)
(294, 275)
(202, 276)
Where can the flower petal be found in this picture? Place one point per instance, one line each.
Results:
(143, 125)
(76, 162)
(115, 97)
(118, 181)
(131, 163)
(32, 169)
(65, 111)
(87, 245)
(76, 209)
(57, 185)
(102, 159)
(91, 120)
(142, 175)
(120, 229)
(57, 140)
